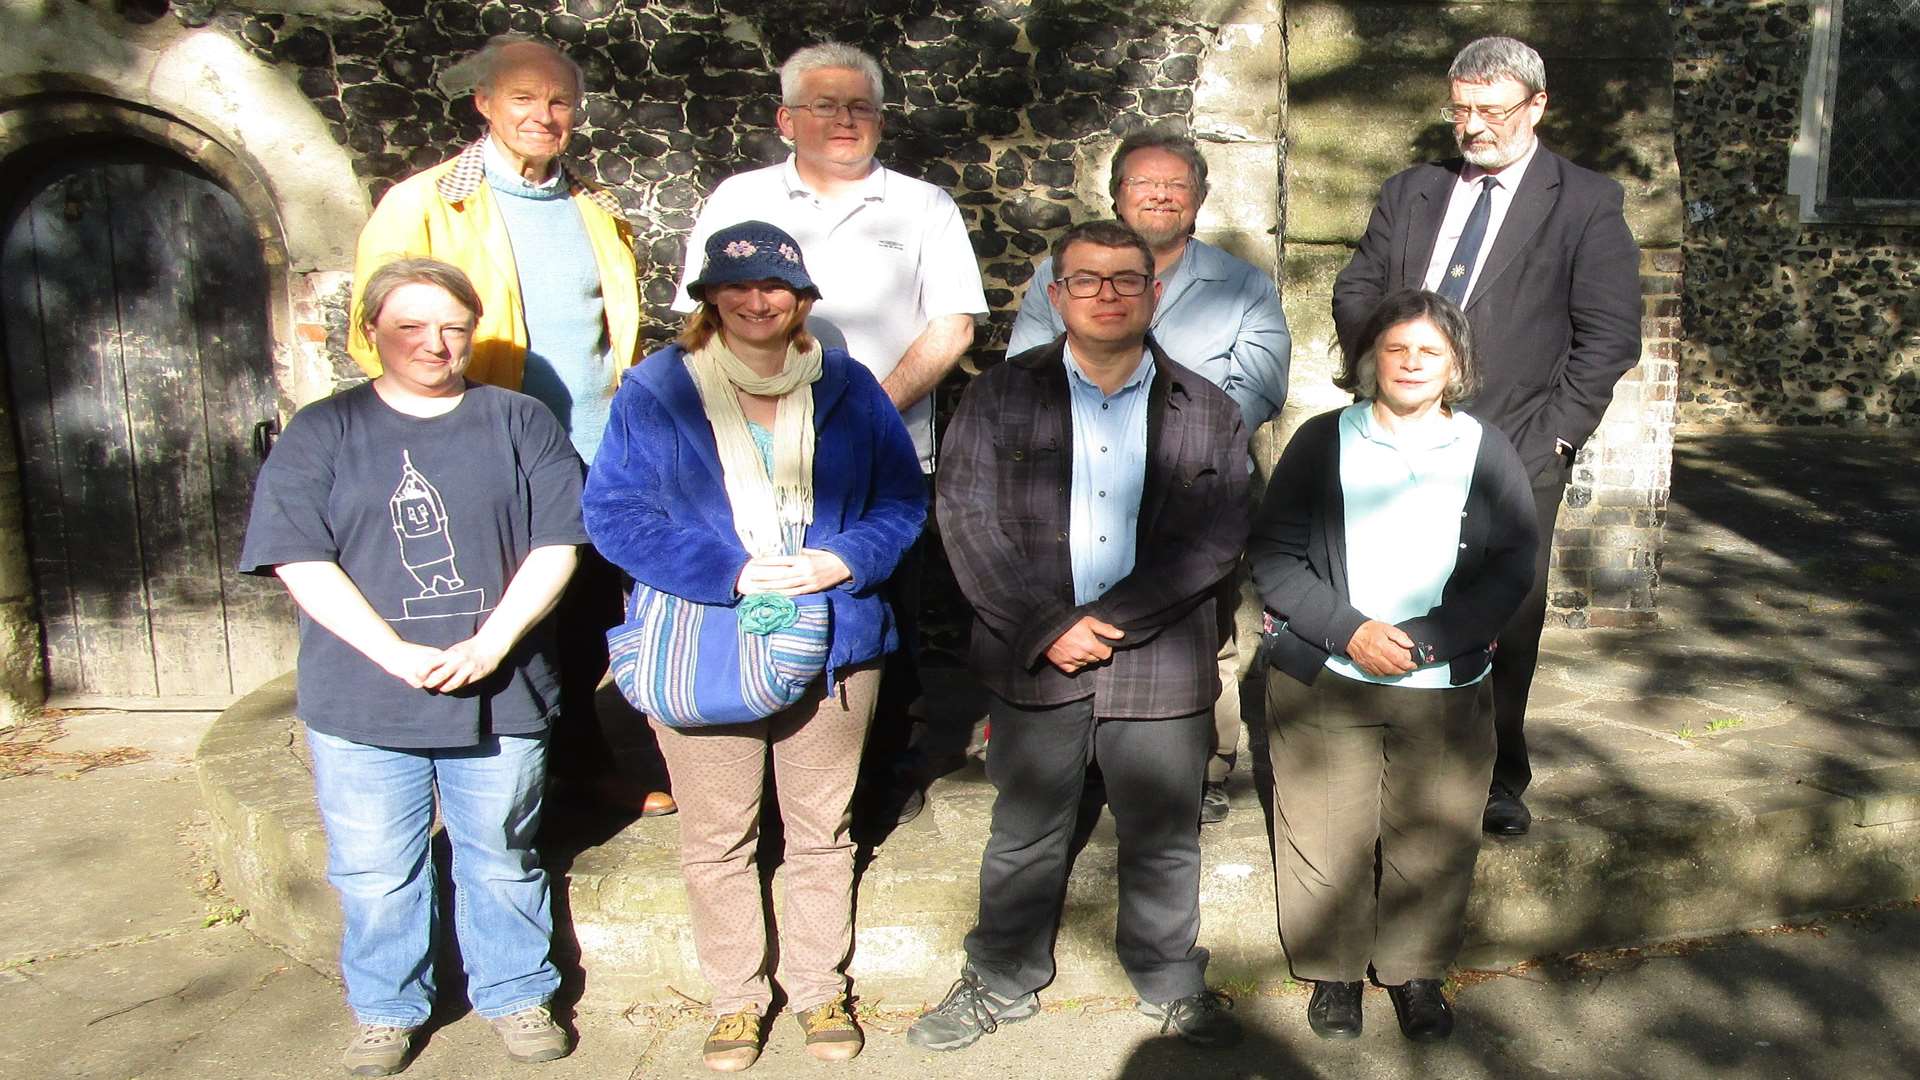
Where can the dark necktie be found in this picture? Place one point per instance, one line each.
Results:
(1459, 272)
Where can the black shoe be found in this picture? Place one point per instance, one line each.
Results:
(1213, 802)
(1334, 1012)
(1202, 1019)
(970, 1011)
(1422, 1010)
(1506, 814)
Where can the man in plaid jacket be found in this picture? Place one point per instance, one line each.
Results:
(1093, 495)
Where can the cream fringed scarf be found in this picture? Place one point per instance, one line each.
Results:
(771, 514)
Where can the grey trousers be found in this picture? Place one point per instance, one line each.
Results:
(1038, 766)
(1357, 764)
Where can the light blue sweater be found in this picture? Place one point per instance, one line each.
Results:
(570, 364)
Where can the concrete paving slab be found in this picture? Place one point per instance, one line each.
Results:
(84, 863)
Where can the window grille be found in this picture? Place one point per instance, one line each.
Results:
(1858, 155)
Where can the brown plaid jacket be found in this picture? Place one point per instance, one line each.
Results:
(1004, 499)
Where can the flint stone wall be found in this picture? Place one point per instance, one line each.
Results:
(1782, 322)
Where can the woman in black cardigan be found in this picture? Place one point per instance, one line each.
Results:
(1394, 542)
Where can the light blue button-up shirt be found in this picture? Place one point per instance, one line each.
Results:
(1109, 474)
(1404, 496)
(1218, 315)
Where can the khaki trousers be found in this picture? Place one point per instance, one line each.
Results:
(718, 775)
(1356, 765)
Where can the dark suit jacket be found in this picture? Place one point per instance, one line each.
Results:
(1005, 505)
(1555, 310)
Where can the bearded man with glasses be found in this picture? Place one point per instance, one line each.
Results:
(1220, 316)
(1536, 251)
(900, 293)
(1093, 497)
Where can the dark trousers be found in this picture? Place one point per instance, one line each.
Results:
(1519, 651)
(1358, 765)
(588, 608)
(1153, 771)
(891, 735)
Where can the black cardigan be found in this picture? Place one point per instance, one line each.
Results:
(1298, 551)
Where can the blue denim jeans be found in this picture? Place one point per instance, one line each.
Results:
(378, 805)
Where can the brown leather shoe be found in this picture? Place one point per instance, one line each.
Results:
(658, 804)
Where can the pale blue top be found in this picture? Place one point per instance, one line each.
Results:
(1218, 315)
(570, 362)
(1109, 473)
(1404, 500)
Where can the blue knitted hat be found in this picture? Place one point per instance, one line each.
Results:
(752, 251)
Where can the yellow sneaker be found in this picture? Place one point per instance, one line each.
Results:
(831, 1033)
(734, 1042)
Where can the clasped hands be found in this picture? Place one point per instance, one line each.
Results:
(1083, 645)
(1381, 649)
(810, 571)
(424, 667)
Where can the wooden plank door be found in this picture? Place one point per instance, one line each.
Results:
(134, 296)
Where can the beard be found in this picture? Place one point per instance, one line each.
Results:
(1157, 235)
(1495, 151)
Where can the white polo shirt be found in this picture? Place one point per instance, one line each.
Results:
(888, 256)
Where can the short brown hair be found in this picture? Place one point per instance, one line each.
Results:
(1109, 233)
(1359, 370)
(384, 282)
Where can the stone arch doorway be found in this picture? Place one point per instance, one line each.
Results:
(135, 301)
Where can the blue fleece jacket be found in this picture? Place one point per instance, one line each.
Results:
(656, 504)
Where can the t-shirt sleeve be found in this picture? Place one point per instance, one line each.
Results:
(950, 277)
(554, 476)
(290, 521)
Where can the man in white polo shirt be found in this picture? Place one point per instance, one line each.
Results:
(900, 291)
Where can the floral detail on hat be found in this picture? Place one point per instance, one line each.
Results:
(789, 254)
(741, 249)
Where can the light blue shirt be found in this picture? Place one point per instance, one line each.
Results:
(570, 365)
(1218, 315)
(1109, 473)
(1404, 499)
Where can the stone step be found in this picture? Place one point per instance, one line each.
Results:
(1631, 872)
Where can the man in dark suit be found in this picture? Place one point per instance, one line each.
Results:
(1537, 251)
(1093, 496)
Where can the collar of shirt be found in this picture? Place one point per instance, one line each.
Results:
(873, 188)
(498, 163)
(1443, 430)
(1079, 377)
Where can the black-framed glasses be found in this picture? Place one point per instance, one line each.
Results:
(1087, 286)
(859, 111)
(1455, 113)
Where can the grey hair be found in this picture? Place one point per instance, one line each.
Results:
(829, 54)
(1493, 58)
(1149, 139)
(1359, 371)
(478, 70)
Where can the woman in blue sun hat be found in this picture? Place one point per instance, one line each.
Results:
(745, 460)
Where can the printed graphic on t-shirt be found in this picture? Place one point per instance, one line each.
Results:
(426, 549)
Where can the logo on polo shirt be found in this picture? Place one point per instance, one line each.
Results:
(892, 245)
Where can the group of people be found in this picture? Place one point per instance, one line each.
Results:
(459, 550)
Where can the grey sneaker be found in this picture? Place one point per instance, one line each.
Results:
(1201, 1019)
(378, 1050)
(1213, 802)
(970, 1011)
(531, 1035)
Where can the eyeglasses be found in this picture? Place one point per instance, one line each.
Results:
(1456, 113)
(1087, 286)
(1148, 183)
(860, 112)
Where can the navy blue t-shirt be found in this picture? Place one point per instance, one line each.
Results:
(430, 517)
